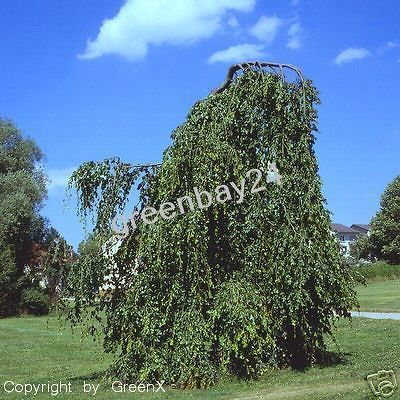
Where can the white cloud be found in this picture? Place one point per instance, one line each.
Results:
(351, 54)
(294, 34)
(141, 23)
(388, 46)
(392, 45)
(238, 53)
(266, 28)
(59, 178)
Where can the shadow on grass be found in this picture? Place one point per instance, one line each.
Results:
(332, 359)
(92, 376)
(326, 359)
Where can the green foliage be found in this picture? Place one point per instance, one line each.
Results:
(22, 189)
(35, 301)
(361, 248)
(8, 282)
(242, 328)
(86, 275)
(103, 187)
(384, 242)
(56, 264)
(233, 288)
(378, 271)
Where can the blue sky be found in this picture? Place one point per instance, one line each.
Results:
(99, 78)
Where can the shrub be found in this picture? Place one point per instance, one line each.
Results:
(378, 271)
(35, 301)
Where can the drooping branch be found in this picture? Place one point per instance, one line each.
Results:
(104, 188)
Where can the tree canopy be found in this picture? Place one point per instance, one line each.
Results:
(25, 236)
(22, 190)
(233, 288)
(384, 240)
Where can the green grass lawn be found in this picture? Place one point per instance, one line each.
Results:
(35, 350)
(381, 296)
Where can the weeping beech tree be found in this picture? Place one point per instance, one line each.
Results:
(234, 288)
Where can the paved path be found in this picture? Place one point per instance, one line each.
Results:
(376, 315)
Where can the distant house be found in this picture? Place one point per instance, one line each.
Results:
(345, 236)
(362, 228)
(110, 249)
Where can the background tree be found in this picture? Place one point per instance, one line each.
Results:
(384, 240)
(26, 240)
(22, 190)
(361, 249)
(232, 288)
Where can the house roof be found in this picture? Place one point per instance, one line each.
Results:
(361, 227)
(339, 228)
